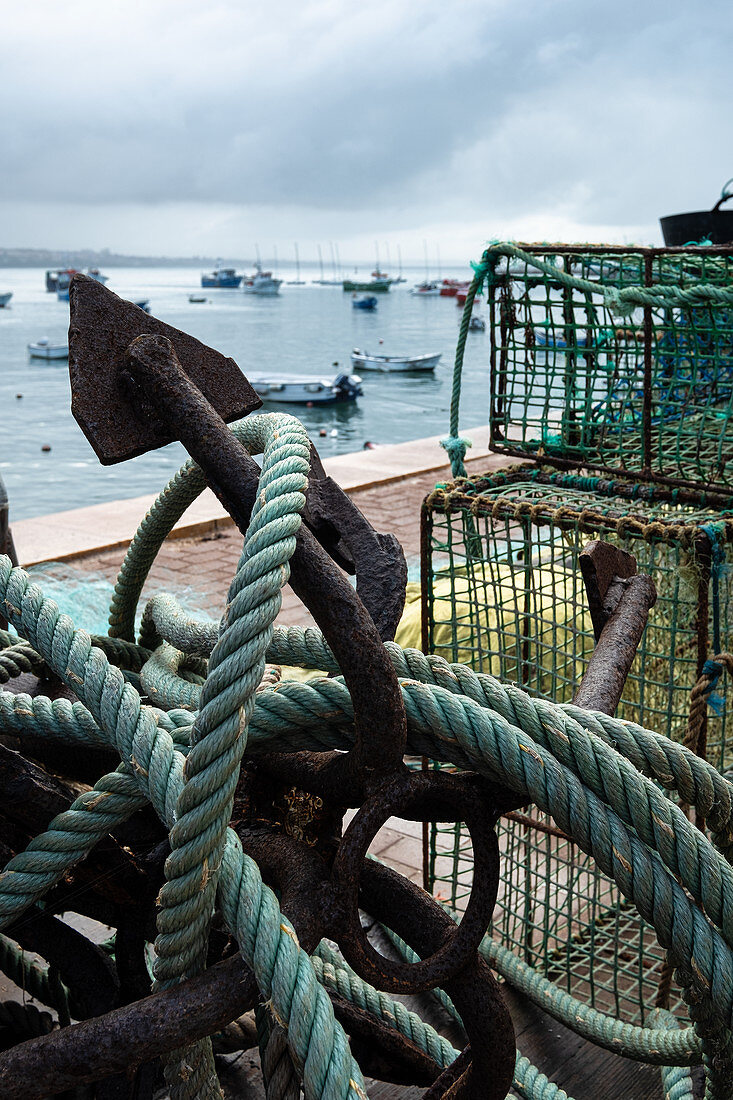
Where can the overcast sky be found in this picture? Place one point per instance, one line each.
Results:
(206, 126)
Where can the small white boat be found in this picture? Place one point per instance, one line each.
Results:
(363, 361)
(476, 324)
(261, 282)
(426, 290)
(197, 298)
(307, 390)
(5, 298)
(43, 349)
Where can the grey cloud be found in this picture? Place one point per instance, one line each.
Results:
(494, 107)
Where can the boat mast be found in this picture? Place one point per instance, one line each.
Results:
(389, 262)
(376, 250)
(297, 262)
(320, 261)
(338, 261)
(425, 250)
(437, 257)
(333, 261)
(399, 257)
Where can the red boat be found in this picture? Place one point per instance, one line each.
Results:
(449, 288)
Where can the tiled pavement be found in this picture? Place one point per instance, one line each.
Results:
(206, 564)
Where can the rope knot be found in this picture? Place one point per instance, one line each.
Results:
(456, 447)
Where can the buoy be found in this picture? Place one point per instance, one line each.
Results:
(309, 404)
(334, 431)
(322, 432)
(46, 447)
(18, 396)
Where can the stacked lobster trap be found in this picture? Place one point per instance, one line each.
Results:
(611, 371)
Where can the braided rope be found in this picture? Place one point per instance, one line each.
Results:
(164, 617)
(19, 658)
(335, 973)
(41, 983)
(539, 718)
(701, 695)
(174, 785)
(218, 737)
(621, 300)
(562, 758)
(529, 1082)
(278, 1072)
(453, 497)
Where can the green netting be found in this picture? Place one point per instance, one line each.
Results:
(617, 358)
(504, 594)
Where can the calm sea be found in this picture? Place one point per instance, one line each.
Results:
(302, 331)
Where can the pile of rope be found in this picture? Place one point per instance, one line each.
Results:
(599, 778)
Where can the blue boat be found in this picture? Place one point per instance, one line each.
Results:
(369, 303)
(222, 277)
(63, 281)
(556, 338)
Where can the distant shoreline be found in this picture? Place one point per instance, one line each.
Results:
(51, 258)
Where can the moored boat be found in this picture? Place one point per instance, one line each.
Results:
(53, 276)
(308, 389)
(96, 274)
(476, 324)
(426, 290)
(323, 281)
(450, 287)
(5, 298)
(44, 349)
(63, 281)
(141, 303)
(369, 303)
(549, 338)
(58, 279)
(222, 277)
(261, 282)
(380, 286)
(297, 281)
(391, 363)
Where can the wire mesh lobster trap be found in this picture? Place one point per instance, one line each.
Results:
(612, 370)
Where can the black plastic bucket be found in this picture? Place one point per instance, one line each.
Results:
(714, 225)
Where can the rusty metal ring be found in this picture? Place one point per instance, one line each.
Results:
(447, 798)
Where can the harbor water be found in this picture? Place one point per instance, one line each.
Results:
(303, 330)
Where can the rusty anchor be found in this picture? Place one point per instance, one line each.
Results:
(137, 384)
(146, 380)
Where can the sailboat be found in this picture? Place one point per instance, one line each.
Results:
(400, 278)
(298, 281)
(323, 281)
(427, 288)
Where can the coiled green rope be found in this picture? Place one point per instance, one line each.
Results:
(192, 794)
(594, 774)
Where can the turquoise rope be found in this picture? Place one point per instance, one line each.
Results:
(561, 758)
(156, 771)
